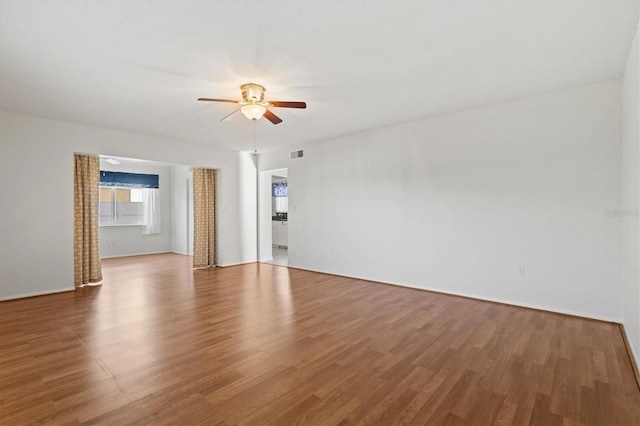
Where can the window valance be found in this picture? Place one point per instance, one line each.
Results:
(128, 180)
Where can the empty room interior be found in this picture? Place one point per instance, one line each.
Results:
(319, 212)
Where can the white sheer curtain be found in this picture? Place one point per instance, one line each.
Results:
(282, 204)
(150, 211)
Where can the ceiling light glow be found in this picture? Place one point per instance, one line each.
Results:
(253, 111)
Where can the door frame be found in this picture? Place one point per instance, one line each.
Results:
(265, 237)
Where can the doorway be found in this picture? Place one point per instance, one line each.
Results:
(123, 230)
(274, 217)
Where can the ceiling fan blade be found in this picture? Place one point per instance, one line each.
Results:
(287, 104)
(229, 117)
(272, 117)
(217, 100)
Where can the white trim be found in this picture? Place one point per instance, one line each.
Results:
(236, 264)
(179, 252)
(630, 346)
(135, 254)
(477, 297)
(267, 259)
(37, 293)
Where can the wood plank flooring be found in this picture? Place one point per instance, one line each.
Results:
(159, 343)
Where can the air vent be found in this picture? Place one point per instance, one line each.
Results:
(297, 154)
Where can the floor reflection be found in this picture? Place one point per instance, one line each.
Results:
(280, 256)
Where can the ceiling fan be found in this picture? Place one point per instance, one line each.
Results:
(253, 105)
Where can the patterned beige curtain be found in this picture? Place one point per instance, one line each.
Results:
(204, 223)
(86, 196)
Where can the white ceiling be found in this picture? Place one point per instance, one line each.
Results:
(139, 66)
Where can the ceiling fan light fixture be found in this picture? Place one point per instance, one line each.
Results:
(253, 111)
(253, 105)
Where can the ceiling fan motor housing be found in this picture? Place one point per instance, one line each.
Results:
(252, 92)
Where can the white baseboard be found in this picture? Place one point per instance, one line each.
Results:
(134, 254)
(37, 293)
(472, 296)
(478, 297)
(266, 259)
(631, 349)
(226, 265)
(179, 252)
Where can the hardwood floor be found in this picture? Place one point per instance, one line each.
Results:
(159, 343)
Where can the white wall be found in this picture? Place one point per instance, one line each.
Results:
(457, 203)
(182, 210)
(631, 199)
(36, 174)
(116, 241)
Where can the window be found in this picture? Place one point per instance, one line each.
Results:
(121, 206)
(123, 198)
(279, 190)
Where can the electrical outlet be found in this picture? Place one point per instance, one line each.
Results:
(521, 271)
